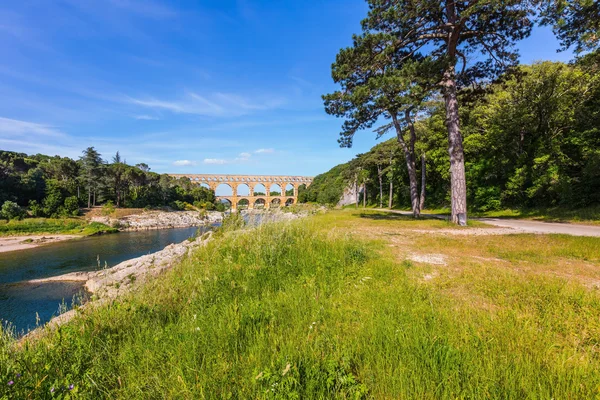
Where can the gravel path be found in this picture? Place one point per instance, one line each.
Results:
(524, 225)
(544, 227)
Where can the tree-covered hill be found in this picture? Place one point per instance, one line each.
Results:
(58, 186)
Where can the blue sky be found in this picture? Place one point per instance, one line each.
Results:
(228, 86)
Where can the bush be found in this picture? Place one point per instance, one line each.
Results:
(36, 208)
(71, 206)
(108, 208)
(11, 210)
(53, 203)
(178, 205)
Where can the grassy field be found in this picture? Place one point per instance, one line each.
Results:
(348, 305)
(30, 226)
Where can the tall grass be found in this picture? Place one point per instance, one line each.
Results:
(293, 311)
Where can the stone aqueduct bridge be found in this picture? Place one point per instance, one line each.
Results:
(252, 181)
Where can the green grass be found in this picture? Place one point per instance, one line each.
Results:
(306, 310)
(71, 226)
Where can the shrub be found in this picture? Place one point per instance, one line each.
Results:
(108, 208)
(36, 209)
(178, 205)
(11, 210)
(71, 206)
(52, 203)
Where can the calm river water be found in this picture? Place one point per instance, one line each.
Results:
(20, 301)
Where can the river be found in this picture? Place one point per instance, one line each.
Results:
(24, 305)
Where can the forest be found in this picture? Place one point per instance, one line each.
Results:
(58, 186)
(531, 139)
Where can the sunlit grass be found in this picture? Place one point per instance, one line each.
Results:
(53, 226)
(330, 307)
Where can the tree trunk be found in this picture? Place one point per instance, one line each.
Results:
(89, 197)
(391, 199)
(413, 183)
(409, 156)
(379, 173)
(356, 192)
(423, 167)
(94, 198)
(364, 195)
(458, 184)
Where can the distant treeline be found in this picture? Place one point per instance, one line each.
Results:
(59, 186)
(531, 139)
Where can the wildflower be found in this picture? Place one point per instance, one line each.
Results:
(71, 386)
(18, 375)
(10, 383)
(52, 390)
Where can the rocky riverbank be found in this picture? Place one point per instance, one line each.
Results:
(161, 220)
(184, 219)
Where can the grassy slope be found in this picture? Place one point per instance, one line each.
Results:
(73, 226)
(308, 310)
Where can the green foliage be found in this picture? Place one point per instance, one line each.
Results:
(326, 188)
(108, 208)
(71, 206)
(575, 22)
(11, 210)
(52, 225)
(45, 183)
(526, 141)
(36, 209)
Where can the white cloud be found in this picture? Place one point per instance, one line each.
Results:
(264, 151)
(245, 155)
(184, 163)
(215, 105)
(217, 161)
(146, 117)
(14, 127)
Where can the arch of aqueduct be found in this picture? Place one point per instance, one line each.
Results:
(252, 181)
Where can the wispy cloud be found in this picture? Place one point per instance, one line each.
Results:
(145, 8)
(264, 151)
(16, 127)
(241, 158)
(184, 163)
(146, 117)
(215, 105)
(215, 161)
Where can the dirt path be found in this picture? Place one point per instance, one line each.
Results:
(523, 225)
(544, 227)
(12, 243)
